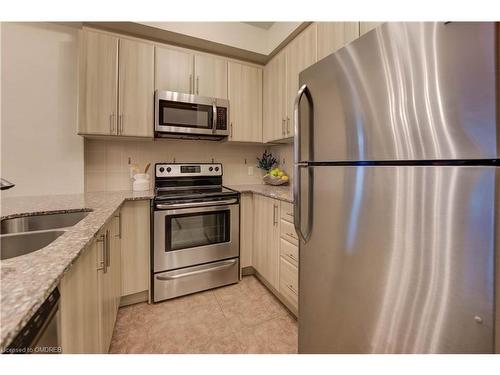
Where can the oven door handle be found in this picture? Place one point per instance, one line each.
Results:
(196, 204)
(227, 264)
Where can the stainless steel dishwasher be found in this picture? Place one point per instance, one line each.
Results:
(41, 334)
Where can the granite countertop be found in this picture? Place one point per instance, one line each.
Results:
(27, 280)
(283, 193)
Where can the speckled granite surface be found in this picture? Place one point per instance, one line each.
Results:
(27, 280)
(283, 193)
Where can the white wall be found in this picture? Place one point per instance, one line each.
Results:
(234, 34)
(40, 150)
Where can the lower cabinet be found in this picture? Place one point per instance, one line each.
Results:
(79, 305)
(90, 294)
(266, 252)
(135, 245)
(275, 248)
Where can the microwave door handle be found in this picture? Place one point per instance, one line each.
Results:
(298, 164)
(214, 117)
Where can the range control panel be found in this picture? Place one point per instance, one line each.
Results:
(188, 170)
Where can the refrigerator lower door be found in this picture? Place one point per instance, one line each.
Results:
(399, 260)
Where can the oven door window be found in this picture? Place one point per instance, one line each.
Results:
(184, 231)
(185, 115)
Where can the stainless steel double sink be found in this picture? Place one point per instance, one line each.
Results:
(23, 235)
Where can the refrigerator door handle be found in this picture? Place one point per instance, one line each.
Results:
(297, 220)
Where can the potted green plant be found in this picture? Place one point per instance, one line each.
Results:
(273, 175)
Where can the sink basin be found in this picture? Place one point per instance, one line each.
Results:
(41, 222)
(14, 245)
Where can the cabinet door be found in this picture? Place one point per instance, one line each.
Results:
(246, 230)
(266, 239)
(79, 305)
(301, 53)
(174, 70)
(335, 35)
(245, 98)
(136, 89)
(364, 27)
(115, 262)
(135, 244)
(210, 76)
(98, 84)
(275, 99)
(106, 290)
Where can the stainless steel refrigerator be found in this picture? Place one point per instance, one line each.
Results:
(395, 188)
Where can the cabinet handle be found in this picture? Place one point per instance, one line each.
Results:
(275, 215)
(292, 289)
(111, 123)
(231, 130)
(197, 85)
(119, 216)
(108, 252)
(289, 214)
(288, 125)
(291, 235)
(102, 264)
(120, 124)
(191, 84)
(291, 257)
(283, 126)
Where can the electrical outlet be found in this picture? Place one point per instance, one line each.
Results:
(250, 171)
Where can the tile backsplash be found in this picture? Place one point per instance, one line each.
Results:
(107, 168)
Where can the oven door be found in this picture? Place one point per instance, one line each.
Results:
(189, 236)
(188, 114)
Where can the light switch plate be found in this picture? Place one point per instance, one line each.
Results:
(250, 171)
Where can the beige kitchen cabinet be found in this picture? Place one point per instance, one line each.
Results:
(274, 106)
(136, 89)
(79, 305)
(245, 101)
(98, 84)
(246, 230)
(300, 54)
(135, 216)
(210, 76)
(281, 84)
(364, 27)
(335, 35)
(266, 252)
(174, 70)
(116, 86)
(289, 284)
(109, 290)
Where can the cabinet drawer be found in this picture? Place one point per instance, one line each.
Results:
(288, 232)
(289, 251)
(289, 281)
(287, 211)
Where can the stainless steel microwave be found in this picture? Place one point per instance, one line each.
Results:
(179, 115)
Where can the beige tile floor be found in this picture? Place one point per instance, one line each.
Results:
(240, 318)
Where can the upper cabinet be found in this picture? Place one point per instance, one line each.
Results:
(116, 86)
(174, 70)
(364, 27)
(210, 76)
(186, 72)
(335, 35)
(274, 123)
(245, 102)
(136, 89)
(97, 109)
(282, 84)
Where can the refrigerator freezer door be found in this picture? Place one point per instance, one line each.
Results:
(405, 91)
(399, 260)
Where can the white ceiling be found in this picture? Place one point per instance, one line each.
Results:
(258, 37)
